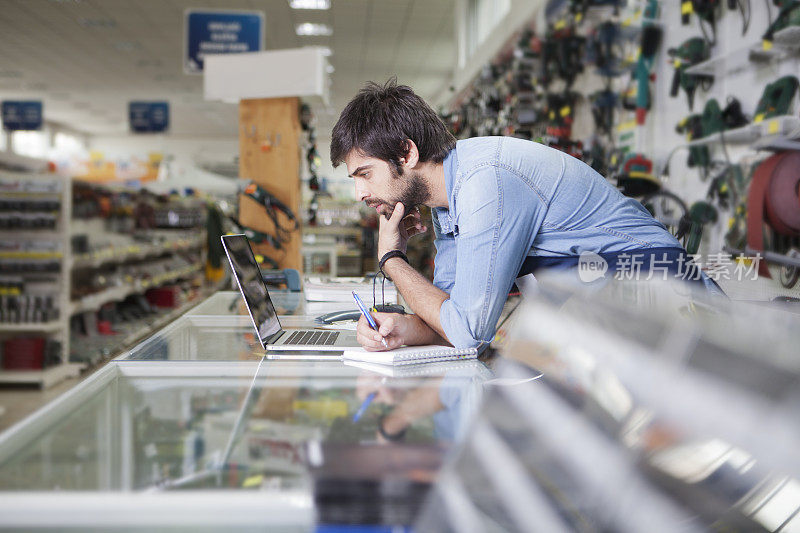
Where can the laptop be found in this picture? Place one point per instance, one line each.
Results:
(322, 342)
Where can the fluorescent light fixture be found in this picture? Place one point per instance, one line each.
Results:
(313, 29)
(310, 4)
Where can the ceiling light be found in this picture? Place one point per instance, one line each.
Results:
(310, 4)
(329, 69)
(313, 29)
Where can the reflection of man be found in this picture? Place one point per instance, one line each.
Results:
(501, 206)
(450, 400)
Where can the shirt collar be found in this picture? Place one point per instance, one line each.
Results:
(450, 165)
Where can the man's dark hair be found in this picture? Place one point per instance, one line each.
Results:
(379, 119)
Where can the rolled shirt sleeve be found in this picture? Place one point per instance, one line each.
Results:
(496, 219)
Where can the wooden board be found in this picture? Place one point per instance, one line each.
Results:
(269, 154)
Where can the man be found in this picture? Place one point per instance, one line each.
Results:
(501, 207)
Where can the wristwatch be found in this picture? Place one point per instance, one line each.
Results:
(388, 255)
(392, 437)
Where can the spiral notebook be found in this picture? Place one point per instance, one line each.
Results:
(421, 370)
(409, 355)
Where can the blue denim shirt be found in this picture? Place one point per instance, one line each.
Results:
(509, 199)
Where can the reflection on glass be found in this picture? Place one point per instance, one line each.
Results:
(154, 433)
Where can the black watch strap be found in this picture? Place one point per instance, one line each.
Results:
(392, 437)
(388, 255)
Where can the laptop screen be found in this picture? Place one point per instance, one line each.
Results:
(252, 286)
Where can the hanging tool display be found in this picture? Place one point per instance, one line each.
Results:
(273, 206)
(603, 104)
(773, 199)
(258, 237)
(560, 112)
(706, 11)
(788, 16)
(649, 43)
(692, 127)
(700, 214)
(635, 176)
(578, 8)
(562, 55)
(604, 49)
(776, 100)
(689, 53)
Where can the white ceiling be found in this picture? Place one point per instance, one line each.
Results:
(87, 58)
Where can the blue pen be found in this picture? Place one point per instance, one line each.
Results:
(369, 318)
(365, 405)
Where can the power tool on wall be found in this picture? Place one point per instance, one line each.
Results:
(689, 53)
(777, 98)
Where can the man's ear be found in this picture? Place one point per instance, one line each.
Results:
(411, 158)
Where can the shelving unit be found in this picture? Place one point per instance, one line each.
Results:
(41, 186)
(785, 43)
(115, 252)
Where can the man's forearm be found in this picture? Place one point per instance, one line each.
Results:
(422, 296)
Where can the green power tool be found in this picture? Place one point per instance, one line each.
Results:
(650, 42)
(692, 126)
(776, 99)
(788, 16)
(688, 54)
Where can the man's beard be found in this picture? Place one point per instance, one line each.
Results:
(415, 191)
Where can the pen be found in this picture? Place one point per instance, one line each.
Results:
(366, 403)
(369, 318)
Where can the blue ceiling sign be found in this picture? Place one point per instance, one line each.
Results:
(148, 117)
(22, 115)
(220, 32)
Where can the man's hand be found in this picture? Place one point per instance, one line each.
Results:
(393, 327)
(393, 233)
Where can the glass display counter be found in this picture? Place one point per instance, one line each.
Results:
(189, 429)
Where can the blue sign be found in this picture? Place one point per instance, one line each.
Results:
(24, 115)
(220, 32)
(148, 117)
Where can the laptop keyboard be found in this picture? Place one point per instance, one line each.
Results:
(313, 337)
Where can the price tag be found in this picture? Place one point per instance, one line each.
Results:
(759, 118)
(579, 17)
(686, 8)
(677, 63)
(561, 24)
(766, 45)
(566, 110)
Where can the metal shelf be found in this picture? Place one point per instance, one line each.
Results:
(95, 301)
(31, 326)
(129, 253)
(745, 134)
(788, 38)
(44, 378)
(741, 58)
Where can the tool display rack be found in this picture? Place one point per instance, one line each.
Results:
(20, 244)
(36, 186)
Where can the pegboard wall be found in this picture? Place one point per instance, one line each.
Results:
(741, 65)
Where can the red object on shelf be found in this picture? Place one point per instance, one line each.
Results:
(104, 327)
(169, 296)
(23, 353)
